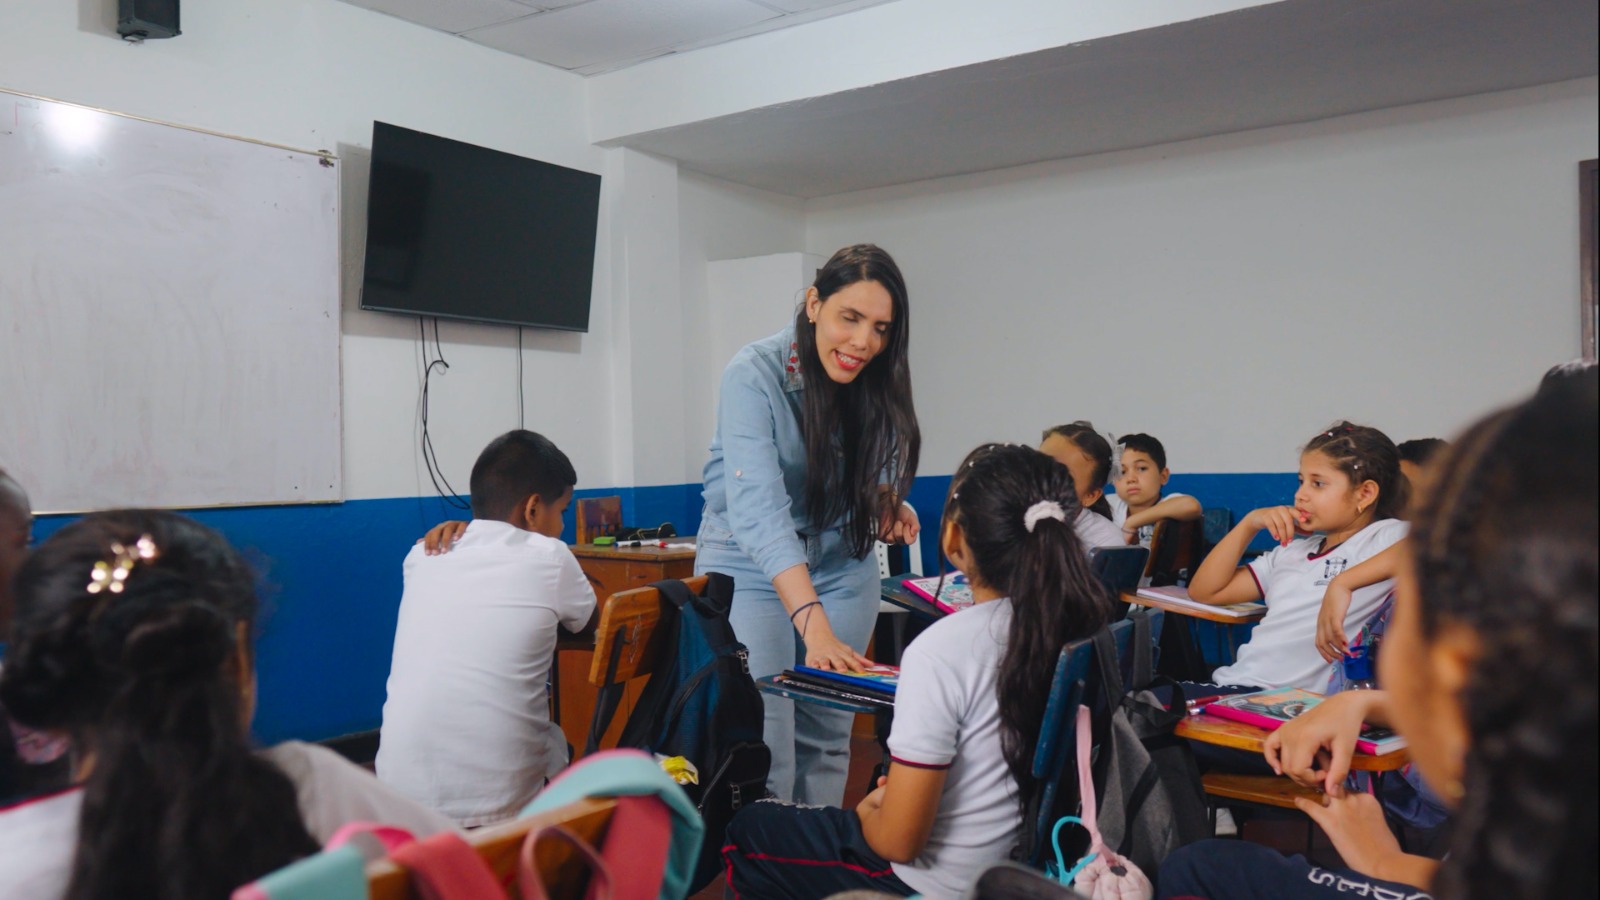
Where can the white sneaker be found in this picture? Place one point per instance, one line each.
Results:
(1226, 827)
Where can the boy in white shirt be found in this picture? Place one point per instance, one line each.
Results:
(466, 727)
(1139, 502)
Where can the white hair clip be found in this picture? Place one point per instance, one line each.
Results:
(1044, 509)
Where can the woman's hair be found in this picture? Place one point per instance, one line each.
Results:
(1505, 545)
(1085, 438)
(125, 636)
(1055, 598)
(1364, 453)
(871, 420)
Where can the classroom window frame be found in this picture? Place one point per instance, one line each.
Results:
(1589, 266)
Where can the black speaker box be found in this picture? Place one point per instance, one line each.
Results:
(139, 20)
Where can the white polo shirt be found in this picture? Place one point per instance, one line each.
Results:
(1119, 515)
(466, 727)
(1095, 530)
(947, 716)
(1282, 649)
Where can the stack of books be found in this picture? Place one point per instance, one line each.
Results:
(874, 684)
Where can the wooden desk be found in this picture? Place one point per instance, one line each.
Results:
(1181, 610)
(1238, 735)
(612, 569)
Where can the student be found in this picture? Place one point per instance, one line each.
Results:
(466, 726)
(133, 633)
(1489, 674)
(968, 710)
(1140, 502)
(1343, 513)
(1087, 455)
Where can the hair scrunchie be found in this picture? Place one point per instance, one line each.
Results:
(1044, 509)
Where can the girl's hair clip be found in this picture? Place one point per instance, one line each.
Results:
(109, 575)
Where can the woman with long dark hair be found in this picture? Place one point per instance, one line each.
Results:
(968, 710)
(132, 635)
(815, 450)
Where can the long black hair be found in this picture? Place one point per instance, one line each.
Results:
(1085, 438)
(1505, 545)
(857, 432)
(125, 636)
(1055, 598)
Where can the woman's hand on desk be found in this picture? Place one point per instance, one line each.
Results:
(1315, 748)
(441, 537)
(824, 650)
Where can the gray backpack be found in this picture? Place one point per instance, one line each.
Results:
(1151, 802)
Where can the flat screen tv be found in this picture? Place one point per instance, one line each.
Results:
(465, 232)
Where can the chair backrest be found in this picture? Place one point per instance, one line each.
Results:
(913, 558)
(1076, 681)
(499, 847)
(1175, 547)
(625, 644)
(1119, 568)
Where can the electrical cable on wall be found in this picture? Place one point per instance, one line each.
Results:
(429, 457)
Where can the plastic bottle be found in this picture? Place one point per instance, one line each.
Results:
(1358, 674)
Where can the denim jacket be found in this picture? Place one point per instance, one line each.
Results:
(755, 480)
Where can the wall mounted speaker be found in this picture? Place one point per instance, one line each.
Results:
(138, 20)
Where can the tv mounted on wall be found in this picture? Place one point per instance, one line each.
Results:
(465, 232)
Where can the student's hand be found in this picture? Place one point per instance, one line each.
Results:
(1315, 748)
(1279, 521)
(1331, 643)
(824, 650)
(441, 537)
(1131, 538)
(1356, 826)
(902, 528)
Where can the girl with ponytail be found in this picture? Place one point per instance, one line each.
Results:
(132, 634)
(968, 709)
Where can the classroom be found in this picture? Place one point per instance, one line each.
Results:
(1224, 222)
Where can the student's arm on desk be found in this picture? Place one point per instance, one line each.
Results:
(1220, 580)
(1315, 748)
(897, 817)
(1331, 643)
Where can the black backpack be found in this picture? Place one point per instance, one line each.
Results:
(702, 704)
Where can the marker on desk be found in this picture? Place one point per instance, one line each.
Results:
(1198, 704)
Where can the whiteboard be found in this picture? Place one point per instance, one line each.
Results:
(169, 314)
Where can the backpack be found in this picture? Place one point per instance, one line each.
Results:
(1151, 802)
(702, 704)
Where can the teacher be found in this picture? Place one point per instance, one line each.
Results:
(815, 449)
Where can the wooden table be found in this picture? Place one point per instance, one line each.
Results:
(1238, 735)
(612, 569)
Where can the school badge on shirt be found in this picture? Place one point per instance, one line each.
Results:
(1331, 567)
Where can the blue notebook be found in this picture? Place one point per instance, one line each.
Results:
(876, 677)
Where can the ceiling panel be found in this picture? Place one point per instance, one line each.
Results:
(605, 31)
(455, 16)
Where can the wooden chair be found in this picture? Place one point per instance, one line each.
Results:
(1175, 547)
(625, 647)
(499, 846)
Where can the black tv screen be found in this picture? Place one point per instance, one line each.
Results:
(465, 232)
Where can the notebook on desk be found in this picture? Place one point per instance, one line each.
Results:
(953, 596)
(1179, 596)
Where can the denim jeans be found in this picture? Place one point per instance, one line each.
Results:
(810, 743)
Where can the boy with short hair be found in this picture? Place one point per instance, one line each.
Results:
(1139, 503)
(466, 727)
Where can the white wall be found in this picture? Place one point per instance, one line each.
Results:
(722, 221)
(315, 74)
(1408, 268)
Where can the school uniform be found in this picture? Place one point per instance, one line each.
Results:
(40, 835)
(754, 526)
(1240, 870)
(1095, 530)
(466, 726)
(947, 716)
(1119, 515)
(1292, 580)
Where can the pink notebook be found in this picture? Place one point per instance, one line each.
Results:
(1270, 709)
(954, 596)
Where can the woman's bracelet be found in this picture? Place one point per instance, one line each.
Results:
(802, 608)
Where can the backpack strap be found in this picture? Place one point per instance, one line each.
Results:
(445, 867)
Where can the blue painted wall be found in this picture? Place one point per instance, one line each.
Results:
(332, 576)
